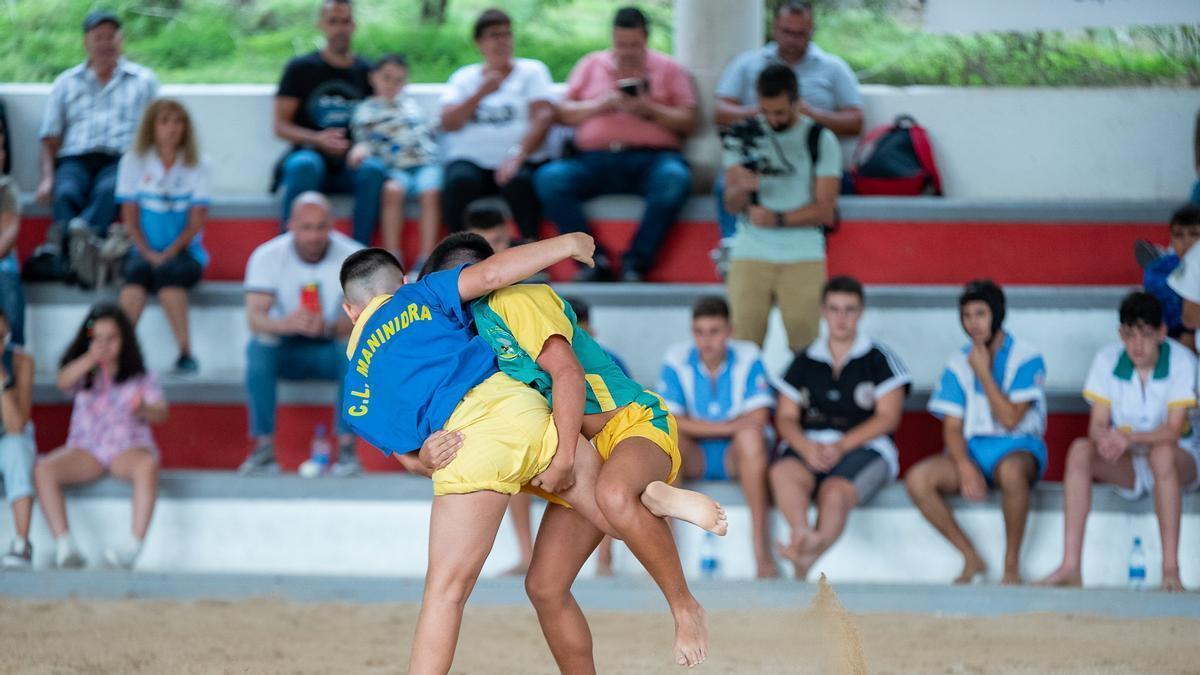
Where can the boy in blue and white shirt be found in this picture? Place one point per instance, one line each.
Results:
(718, 391)
(1141, 390)
(992, 404)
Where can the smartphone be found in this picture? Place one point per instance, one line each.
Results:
(631, 86)
(310, 298)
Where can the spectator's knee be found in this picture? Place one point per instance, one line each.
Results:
(672, 182)
(552, 180)
(302, 164)
(371, 171)
(1162, 462)
(393, 192)
(1079, 455)
(918, 482)
(1014, 472)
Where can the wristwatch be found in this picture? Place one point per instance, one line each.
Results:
(780, 219)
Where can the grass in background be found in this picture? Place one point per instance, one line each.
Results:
(249, 41)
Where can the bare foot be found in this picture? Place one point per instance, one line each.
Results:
(1063, 576)
(766, 567)
(700, 510)
(1011, 578)
(797, 552)
(1171, 582)
(691, 636)
(972, 567)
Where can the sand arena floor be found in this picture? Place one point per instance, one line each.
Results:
(279, 636)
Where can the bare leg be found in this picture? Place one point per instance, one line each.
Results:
(64, 466)
(431, 220)
(1014, 476)
(391, 215)
(835, 499)
(132, 301)
(1083, 464)
(140, 467)
(692, 462)
(174, 301)
(748, 460)
(1172, 467)
(604, 558)
(792, 484)
(634, 464)
(927, 482)
(22, 510)
(518, 508)
(564, 542)
(462, 529)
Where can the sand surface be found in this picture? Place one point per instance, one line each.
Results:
(271, 636)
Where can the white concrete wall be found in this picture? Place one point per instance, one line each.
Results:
(1018, 144)
(388, 538)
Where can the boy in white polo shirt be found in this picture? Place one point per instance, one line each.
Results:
(1140, 390)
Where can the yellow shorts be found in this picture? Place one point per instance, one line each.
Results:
(647, 417)
(508, 438)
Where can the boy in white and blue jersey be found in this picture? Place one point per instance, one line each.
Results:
(992, 404)
(1140, 389)
(718, 391)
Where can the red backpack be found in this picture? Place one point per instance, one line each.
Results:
(896, 159)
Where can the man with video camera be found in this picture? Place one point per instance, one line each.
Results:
(781, 179)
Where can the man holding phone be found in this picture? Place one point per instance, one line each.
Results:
(632, 107)
(313, 109)
(293, 306)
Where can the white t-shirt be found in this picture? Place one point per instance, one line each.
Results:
(501, 118)
(1114, 381)
(277, 269)
(165, 198)
(1185, 280)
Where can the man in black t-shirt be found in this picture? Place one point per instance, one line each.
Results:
(839, 403)
(316, 99)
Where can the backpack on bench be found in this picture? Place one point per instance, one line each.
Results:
(896, 160)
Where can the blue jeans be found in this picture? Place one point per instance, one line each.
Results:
(305, 170)
(12, 297)
(85, 187)
(661, 177)
(293, 358)
(726, 221)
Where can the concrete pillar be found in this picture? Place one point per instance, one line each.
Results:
(708, 33)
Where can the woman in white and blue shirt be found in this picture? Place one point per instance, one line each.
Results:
(163, 190)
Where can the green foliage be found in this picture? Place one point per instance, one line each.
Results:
(249, 40)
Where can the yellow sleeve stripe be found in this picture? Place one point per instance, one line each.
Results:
(603, 396)
(1096, 398)
(1183, 403)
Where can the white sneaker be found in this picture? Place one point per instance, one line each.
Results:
(19, 556)
(123, 556)
(68, 556)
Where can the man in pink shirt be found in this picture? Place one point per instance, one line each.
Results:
(631, 108)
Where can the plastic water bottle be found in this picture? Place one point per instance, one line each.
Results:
(318, 460)
(1137, 566)
(710, 564)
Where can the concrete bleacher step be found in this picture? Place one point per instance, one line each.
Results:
(209, 521)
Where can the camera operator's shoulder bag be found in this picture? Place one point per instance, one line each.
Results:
(896, 159)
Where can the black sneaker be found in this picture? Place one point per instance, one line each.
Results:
(260, 462)
(186, 365)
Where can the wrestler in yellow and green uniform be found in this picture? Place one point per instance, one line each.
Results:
(517, 321)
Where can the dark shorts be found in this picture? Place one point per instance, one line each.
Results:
(182, 271)
(866, 469)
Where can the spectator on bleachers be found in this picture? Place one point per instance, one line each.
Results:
(783, 198)
(992, 403)
(391, 127)
(489, 222)
(299, 331)
(1196, 156)
(829, 90)
(717, 389)
(839, 404)
(495, 116)
(90, 120)
(1139, 441)
(115, 402)
(1184, 279)
(17, 451)
(1159, 266)
(313, 109)
(12, 295)
(163, 190)
(631, 108)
